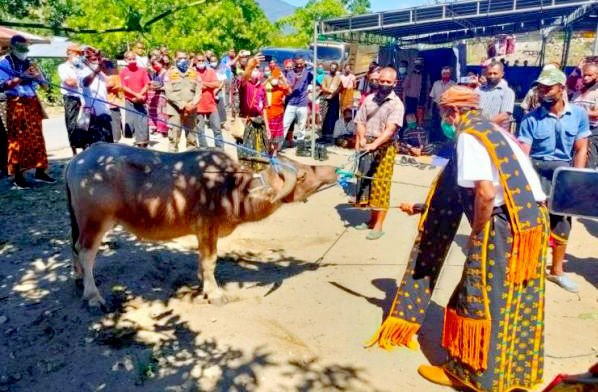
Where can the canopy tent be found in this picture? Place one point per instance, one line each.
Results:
(56, 48)
(459, 20)
(6, 34)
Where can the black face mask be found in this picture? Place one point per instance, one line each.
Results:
(382, 93)
(492, 82)
(548, 102)
(588, 85)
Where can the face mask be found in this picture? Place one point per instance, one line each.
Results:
(76, 61)
(492, 81)
(182, 65)
(255, 74)
(267, 73)
(321, 71)
(374, 86)
(548, 102)
(590, 84)
(132, 64)
(201, 65)
(382, 93)
(157, 67)
(214, 64)
(448, 130)
(402, 70)
(412, 125)
(274, 82)
(94, 66)
(21, 55)
(332, 71)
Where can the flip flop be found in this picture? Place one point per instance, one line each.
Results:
(361, 226)
(374, 235)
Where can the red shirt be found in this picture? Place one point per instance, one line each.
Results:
(207, 102)
(134, 79)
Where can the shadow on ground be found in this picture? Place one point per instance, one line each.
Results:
(352, 216)
(51, 338)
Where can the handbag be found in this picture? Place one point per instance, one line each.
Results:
(236, 128)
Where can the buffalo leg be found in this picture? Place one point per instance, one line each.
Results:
(89, 242)
(208, 255)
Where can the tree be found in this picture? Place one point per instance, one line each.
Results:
(357, 7)
(301, 23)
(213, 25)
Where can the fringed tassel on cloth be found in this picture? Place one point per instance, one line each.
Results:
(394, 332)
(466, 339)
(525, 255)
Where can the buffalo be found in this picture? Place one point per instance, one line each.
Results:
(160, 196)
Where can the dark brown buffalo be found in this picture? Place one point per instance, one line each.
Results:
(160, 196)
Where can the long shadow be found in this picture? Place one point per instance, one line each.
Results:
(52, 341)
(591, 225)
(588, 268)
(352, 216)
(387, 286)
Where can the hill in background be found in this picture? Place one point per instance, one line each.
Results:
(275, 9)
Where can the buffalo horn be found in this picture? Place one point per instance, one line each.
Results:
(290, 180)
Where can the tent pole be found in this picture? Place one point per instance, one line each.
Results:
(543, 49)
(313, 93)
(595, 48)
(566, 45)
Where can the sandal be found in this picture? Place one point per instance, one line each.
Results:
(374, 235)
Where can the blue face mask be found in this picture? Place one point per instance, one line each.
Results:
(182, 65)
(449, 130)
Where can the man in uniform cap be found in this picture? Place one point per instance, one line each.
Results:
(554, 135)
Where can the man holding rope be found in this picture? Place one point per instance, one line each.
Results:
(377, 121)
(26, 145)
(494, 322)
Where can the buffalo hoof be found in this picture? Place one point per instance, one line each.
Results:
(219, 300)
(97, 301)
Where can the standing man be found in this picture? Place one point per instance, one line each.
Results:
(142, 59)
(555, 135)
(588, 98)
(414, 85)
(497, 99)
(331, 87)
(136, 82)
(438, 88)
(26, 144)
(116, 97)
(182, 96)
(207, 109)
(298, 79)
(402, 75)
(69, 82)
(95, 96)
(377, 121)
(494, 321)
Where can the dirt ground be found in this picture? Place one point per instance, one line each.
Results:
(310, 292)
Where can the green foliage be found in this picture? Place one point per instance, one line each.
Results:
(215, 25)
(49, 68)
(357, 7)
(302, 21)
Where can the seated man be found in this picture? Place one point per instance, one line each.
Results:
(344, 130)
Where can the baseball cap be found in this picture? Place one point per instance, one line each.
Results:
(551, 76)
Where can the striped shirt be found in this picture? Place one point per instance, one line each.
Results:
(496, 99)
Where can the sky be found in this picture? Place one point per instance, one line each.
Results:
(377, 5)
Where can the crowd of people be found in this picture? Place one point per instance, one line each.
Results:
(499, 171)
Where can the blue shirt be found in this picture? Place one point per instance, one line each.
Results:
(298, 96)
(551, 137)
(8, 71)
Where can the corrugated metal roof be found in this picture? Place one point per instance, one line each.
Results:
(459, 20)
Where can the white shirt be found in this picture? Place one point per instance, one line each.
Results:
(474, 164)
(439, 87)
(142, 61)
(96, 94)
(68, 70)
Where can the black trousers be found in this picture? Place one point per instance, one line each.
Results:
(593, 149)
(3, 146)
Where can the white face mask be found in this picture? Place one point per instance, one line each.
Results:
(214, 65)
(255, 74)
(76, 60)
(274, 82)
(21, 55)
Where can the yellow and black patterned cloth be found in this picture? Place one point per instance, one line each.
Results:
(374, 178)
(254, 138)
(494, 322)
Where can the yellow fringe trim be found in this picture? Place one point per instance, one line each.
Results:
(525, 255)
(393, 332)
(467, 339)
